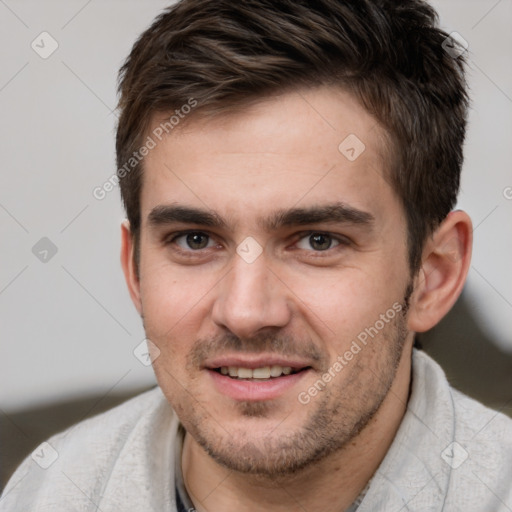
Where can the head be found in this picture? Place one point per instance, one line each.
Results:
(288, 170)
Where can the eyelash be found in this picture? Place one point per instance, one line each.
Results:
(342, 241)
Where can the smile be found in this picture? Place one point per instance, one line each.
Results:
(263, 373)
(253, 380)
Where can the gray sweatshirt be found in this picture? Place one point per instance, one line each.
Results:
(449, 454)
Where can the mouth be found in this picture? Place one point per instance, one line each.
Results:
(260, 379)
(263, 373)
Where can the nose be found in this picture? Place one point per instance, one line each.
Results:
(251, 298)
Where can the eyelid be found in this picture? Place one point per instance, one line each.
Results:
(341, 239)
(172, 237)
(169, 237)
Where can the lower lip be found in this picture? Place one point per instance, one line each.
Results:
(254, 390)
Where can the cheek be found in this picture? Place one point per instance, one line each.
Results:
(341, 305)
(170, 295)
(169, 322)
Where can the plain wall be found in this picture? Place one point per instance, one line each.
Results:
(68, 327)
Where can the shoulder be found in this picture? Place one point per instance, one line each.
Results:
(79, 463)
(487, 431)
(108, 431)
(478, 417)
(476, 451)
(480, 456)
(471, 419)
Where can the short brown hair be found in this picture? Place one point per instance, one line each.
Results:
(388, 53)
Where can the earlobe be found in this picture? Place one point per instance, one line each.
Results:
(445, 264)
(129, 266)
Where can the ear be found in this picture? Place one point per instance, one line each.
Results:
(444, 268)
(129, 266)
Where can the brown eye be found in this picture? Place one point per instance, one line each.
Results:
(320, 241)
(195, 241)
(317, 242)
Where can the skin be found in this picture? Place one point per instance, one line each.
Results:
(293, 301)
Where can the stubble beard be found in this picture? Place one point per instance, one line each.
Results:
(339, 413)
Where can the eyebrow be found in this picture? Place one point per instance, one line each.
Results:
(339, 213)
(168, 214)
(332, 213)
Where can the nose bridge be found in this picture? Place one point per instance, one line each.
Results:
(250, 298)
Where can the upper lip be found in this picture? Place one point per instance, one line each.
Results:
(257, 361)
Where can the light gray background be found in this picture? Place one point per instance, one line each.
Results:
(68, 326)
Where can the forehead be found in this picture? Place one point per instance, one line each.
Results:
(307, 148)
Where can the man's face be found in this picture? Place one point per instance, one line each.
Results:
(266, 252)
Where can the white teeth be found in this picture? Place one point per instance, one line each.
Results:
(276, 371)
(265, 372)
(245, 373)
(260, 373)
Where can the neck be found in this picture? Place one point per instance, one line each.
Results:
(331, 484)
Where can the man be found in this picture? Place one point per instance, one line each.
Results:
(289, 170)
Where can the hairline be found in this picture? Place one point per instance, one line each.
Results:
(387, 147)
